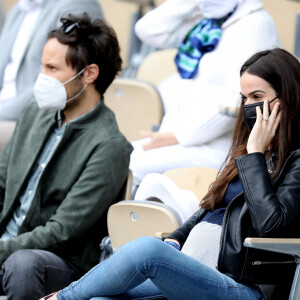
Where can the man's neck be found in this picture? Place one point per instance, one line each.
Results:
(74, 110)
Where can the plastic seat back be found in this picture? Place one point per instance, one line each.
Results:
(195, 179)
(127, 220)
(157, 65)
(136, 104)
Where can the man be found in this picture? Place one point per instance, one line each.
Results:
(21, 42)
(64, 165)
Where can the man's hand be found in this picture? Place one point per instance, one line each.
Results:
(159, 139)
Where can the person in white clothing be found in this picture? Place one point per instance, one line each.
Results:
(183, 201)
(22, 41)
(2, 15)
(195, 131)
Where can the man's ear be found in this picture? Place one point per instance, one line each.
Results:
(91, 73)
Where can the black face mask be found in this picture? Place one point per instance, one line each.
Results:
(249, 112)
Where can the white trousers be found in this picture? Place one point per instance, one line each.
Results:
(184, 202)
(162, 159)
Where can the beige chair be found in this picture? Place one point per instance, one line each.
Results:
(127, 189)
(136, 104)
(157, 65)
(6, 131)
(127, 220)
(195, 179)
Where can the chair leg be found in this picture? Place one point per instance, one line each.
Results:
(295, 289)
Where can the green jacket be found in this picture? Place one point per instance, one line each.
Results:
(82, 179)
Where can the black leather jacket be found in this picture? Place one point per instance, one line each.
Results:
(265, 209)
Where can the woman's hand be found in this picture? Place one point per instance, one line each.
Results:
(159, 139)
(50, 297)
(264, 128)
(174, 242)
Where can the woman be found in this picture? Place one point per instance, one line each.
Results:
(256, 194)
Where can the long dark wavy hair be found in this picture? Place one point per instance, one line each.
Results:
(282, 71)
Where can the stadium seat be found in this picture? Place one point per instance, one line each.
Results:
(157, 65)
(127, 220)
(136, 104)
(195, 179)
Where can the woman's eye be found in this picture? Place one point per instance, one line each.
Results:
(257, 97)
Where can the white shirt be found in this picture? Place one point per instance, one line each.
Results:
(33, 8)
(192, 107)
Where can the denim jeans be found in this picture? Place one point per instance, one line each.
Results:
(149, 267)
(31, 274)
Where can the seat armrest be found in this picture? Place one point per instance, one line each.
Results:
(286, 246)
(162, 234)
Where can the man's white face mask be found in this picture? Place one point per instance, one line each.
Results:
(50, 93)
(216, 9)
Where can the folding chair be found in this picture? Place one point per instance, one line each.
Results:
(128, 220)
(105, 245)
(195, 179)
(136, 104)
(157, 65)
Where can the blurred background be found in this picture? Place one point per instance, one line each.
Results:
(122, 13)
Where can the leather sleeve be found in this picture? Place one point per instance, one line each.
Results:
(273, 205)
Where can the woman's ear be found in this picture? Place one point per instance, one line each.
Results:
(91, 73)
(273, 104)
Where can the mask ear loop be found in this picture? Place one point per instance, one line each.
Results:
(273, 100)
(72, 78)
(79, 93)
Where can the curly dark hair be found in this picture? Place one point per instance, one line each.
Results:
(90, 42)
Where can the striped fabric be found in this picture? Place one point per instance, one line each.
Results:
(203, 38)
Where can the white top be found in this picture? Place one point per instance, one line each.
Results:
(203, 243)
(192, 106)
(9, 90)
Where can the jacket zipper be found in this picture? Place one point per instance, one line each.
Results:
(258, 262)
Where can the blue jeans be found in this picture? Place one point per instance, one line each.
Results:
(31, 274)
(148, 267)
